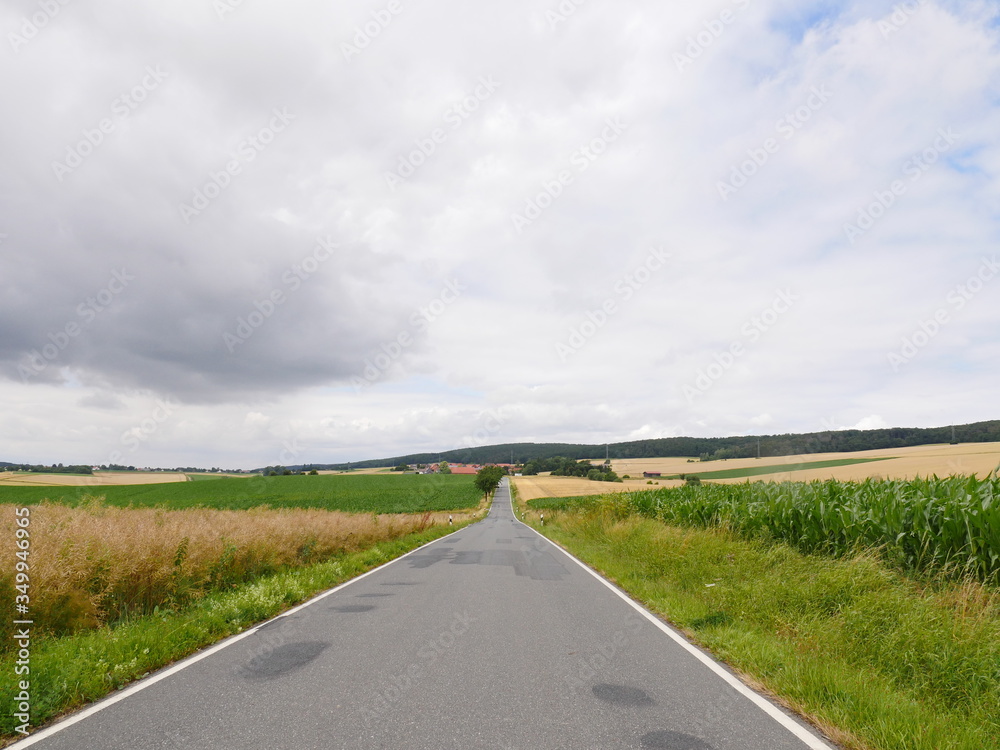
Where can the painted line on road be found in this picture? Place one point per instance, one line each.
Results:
(800, 731)
(146, 682)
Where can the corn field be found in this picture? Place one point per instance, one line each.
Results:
(949, 525)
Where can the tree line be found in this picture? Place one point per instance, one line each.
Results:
(54, 469)
(560, 466)
(707, 449)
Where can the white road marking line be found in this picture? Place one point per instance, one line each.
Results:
(170, 671)
(811, 740)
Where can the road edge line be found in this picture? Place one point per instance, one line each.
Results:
(797, 728)
(196, 657)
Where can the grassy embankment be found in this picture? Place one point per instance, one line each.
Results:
(116, 593)
(885, 644)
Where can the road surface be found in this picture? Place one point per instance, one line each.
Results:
(490, 638)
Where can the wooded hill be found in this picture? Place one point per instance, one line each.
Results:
(707, 449)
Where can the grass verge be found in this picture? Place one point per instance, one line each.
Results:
(68, 672)
(878, 660)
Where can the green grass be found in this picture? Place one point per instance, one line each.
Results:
(411, 493)
(561, 503)
(204, 477)
(71, 671)
(893, 664)
(921, 526)
(757, 471)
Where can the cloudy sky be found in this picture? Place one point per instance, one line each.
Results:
(238, 233)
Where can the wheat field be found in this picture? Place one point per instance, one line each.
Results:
(99, 479)
(977, 459)
(533, 488)
(95, 564)
(904, 463)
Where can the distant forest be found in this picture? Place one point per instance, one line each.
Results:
(705, 449)
(54, 469)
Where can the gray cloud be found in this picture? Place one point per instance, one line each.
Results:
(169, 169)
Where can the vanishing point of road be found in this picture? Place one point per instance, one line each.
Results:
(492, 637)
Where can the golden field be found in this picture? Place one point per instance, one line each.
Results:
(99, 479)
(543, 485)
(95, 563)
(904, 463)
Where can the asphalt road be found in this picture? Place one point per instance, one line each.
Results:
(490, 638)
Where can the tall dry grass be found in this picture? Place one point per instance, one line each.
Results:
(97, 564)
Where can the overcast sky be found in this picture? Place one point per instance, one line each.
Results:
(245, 233)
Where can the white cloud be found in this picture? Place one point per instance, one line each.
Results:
(839, 106)
(874, 422)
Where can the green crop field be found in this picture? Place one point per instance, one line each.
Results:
(757, 471)
(560, 503)
(410, 493)
(923, 525)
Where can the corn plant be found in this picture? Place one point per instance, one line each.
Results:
(949, 525)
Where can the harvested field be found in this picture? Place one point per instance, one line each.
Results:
(905, 463)
(901, 463)
(532, 488)
(99, 479)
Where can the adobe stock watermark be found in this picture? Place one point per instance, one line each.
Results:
(247, 150)
(22, 635)
(787, 127)
(817, 442)
(224, 7)
(38, 360)
(752, 331)
(292, 280)
(291, 451)
(369, 31)
(591, 666)
(135, 436)
(394, 687)
(268, 639)
(725, 708)
(563, 12)
(31, 26)
(455, 116)
(914, 168)
(492, 422)
(290, 454)
(377, 365)
(698, 44)
(955, 301)
(901, 15)
(581, 159)
(121, 108)
(624, 290)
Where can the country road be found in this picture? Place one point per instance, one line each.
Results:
(492, 637)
